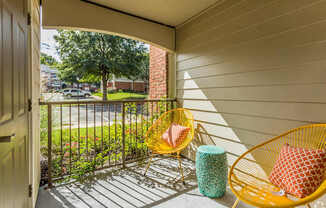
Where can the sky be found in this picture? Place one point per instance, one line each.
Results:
(48, 43)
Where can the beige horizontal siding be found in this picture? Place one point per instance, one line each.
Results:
(212, 78)
(261, 22)
(218, 16)
(307, 112)
(291, 93)
(251, 70)
(267, 126)
(279, 54)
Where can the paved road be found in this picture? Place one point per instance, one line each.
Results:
(60, 97)
(84, 116)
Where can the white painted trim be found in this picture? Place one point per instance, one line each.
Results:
(172, 74)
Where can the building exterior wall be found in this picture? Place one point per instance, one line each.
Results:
(250, 70)
(49, 78)
(158, 73)
(137, 86)
(34, 58)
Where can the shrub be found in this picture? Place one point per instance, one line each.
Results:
(77, 152)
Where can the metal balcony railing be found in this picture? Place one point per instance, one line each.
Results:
(84, 136)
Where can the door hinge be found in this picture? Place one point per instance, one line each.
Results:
(29, 19)
(29, 105)
(30, 190)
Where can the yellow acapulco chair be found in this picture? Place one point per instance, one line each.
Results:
(157, 145)
(248, 177)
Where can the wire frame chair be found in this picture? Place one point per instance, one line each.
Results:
(157, 145)
(248, 176)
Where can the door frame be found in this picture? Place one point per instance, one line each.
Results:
(29, 95)
(32, 135)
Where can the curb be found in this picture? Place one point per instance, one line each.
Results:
(96, 97)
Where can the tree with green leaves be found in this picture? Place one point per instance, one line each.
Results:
(68, 74)
(143, 71)
(47, 60)
(97, 57)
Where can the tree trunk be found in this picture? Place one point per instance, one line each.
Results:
(105, 86)
(133, 85)
(146, 87)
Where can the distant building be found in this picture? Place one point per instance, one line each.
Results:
(49, 78)
(127, 84)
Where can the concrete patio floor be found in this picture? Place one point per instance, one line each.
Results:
(128, 188)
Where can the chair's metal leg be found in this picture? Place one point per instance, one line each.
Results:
(148, 164)
(308, 206)
(180, 169)
(236, 203)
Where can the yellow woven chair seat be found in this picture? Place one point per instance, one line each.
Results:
(153, 138)
(155, 142)
(161, 148)
(260, 192)
(248, 176)
(264, 197)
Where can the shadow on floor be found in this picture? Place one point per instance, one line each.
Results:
(129, 188)
(123, 187)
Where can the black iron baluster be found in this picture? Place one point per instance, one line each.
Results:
(70, 151)
(95, 153)
(142, 128)
(102, 135)
(115, 133)
(136, 133)
(49, 145)
(86, 110)
(147, 122)
(61, 141)
(158, 110)
(123, 137)
(133, 146)
(130, 152)
(158, 113)
(109, 133)
(78, 131)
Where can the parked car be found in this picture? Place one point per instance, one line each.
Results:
(75, 93)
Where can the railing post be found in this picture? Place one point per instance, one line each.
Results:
(123, 136)
(49, 145)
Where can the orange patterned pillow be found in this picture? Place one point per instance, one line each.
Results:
(175, 134)
(299, 171)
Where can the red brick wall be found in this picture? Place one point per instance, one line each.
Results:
(158, 73)
(110, 84)
(123, 85)
(138, 87)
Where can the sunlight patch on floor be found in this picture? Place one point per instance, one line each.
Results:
(129, 188)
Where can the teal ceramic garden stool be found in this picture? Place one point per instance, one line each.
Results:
(211, 170)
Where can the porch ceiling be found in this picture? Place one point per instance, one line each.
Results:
(151, 21)
(169, 12)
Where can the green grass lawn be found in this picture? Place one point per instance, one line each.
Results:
(122, 95)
